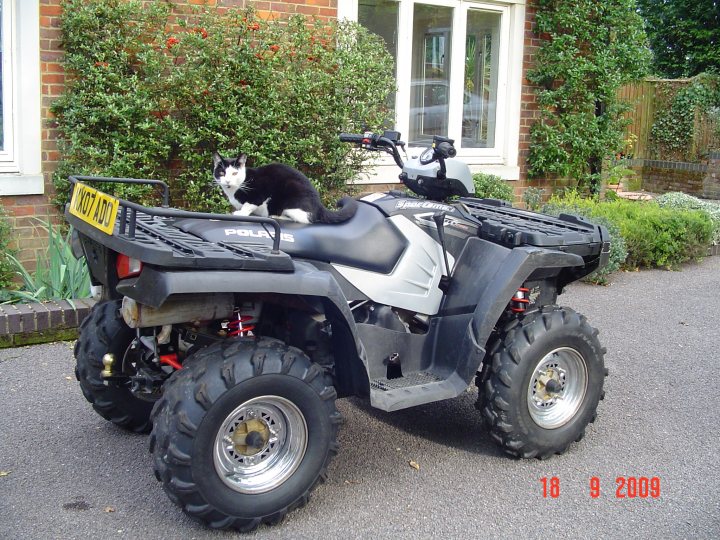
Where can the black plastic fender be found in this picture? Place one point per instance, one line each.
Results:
(484, 280)
(154, 286)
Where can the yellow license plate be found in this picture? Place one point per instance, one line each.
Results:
(94, 207)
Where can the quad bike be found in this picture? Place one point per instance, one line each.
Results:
(232, 337)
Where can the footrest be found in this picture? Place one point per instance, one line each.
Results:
(414, 389)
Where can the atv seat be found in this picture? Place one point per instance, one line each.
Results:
(367, 240)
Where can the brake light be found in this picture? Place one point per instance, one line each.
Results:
(127, 267)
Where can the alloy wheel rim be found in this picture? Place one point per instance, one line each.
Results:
(260, 444)
(557, 388)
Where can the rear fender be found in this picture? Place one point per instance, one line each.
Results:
(153, 287)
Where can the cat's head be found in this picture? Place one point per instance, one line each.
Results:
(229, 172)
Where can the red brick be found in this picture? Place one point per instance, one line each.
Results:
(53, 78)
(23, 211)
(51, 10)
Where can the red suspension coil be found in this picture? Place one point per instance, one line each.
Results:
(519, 302)
(239, 327)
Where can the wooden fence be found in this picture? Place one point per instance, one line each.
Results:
(643, 98)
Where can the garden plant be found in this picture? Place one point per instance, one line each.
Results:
(148, 99)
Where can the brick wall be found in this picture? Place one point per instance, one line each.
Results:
(697, 179)
(529, 111)
(29, 240)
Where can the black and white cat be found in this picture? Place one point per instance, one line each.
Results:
(275, 190)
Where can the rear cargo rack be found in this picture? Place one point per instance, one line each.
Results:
(513, 227)
(148, 234)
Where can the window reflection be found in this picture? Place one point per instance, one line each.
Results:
(480, 83)
(381, 18)
(430, 83)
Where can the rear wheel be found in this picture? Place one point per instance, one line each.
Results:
(244, 432)
(544, 383)
(104, 332)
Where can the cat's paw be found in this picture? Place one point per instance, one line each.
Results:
(240, 213)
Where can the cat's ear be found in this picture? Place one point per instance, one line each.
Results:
(217, 158)
(241, 160)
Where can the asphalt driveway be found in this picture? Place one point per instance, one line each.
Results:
(66, 473)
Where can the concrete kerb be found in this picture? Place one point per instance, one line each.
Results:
(41, 322)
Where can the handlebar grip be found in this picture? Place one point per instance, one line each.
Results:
(352, 138)
(446, 150)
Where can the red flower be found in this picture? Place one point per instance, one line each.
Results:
(101, 64)
(259, 55)
(243, 83)
(254, 26)
(274, 48)
(171, 42)
(201, 31)
(159, 114)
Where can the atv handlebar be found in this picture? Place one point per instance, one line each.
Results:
(442, 147)
(446, 150)
(387, 142)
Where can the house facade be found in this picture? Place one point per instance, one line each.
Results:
(460, 67)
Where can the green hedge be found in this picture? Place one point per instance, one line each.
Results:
(147, 99)
(688, 202)
(655, 236)
(491, 186)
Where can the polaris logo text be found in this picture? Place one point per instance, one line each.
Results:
(423, 204)
(249, 233)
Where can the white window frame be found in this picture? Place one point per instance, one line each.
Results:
(502, 158)
(20, 160)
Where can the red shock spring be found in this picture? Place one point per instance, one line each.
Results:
(238, 326)
(519, 302)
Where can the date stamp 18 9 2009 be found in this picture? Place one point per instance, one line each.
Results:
(626, 487)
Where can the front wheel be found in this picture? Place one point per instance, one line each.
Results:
(544, 383)
(244, 432)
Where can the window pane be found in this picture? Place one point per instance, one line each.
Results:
(481, 72)
(430, 83)
(381, 18)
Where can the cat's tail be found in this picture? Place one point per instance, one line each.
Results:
(347, 208)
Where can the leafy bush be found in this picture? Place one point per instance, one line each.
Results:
(490, 186)
(149, 99)
(588, 50)
(655, 236)
(6, 268)
(688, 202)
(59, 275)
(678, 109)
(532, 197)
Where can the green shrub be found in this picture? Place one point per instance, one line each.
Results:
(59, 275)
(587, 51)
(688, 202)
(655, 236)
(532, 197)
(151, 99)
(490, 186)
(6, 267)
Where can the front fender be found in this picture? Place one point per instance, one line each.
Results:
(486, 277)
